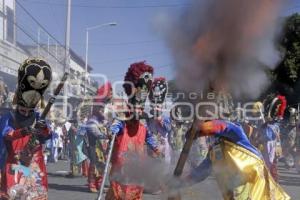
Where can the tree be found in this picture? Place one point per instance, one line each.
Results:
(286, 77)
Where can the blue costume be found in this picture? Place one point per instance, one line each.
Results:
(161, 130)
(237, 165)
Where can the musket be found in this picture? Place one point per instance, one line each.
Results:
(190, 136)
(55, 94)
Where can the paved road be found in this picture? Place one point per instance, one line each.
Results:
(63, 188)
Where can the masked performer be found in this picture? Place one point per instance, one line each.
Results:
(288, 138)
(179, 128)
(81, 158)
(97, 134)
(269, 132)
(131, 134)
(237, 165)
(158, 124)
(24, 175)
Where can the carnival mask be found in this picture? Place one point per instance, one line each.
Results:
(142, 90)
(34, 76)
(157, 95)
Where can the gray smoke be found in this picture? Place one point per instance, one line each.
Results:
(227, 45)
(146, 171)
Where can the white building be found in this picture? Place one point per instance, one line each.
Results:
(11, 55)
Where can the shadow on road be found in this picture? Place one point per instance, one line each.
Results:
(68, 187)
(289, 181)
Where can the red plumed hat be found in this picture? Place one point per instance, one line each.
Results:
(135, 73)
(282, 106)
(103, 92)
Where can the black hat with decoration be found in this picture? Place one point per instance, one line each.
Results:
(34, 77)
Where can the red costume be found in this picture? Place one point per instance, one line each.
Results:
(132, 136)
(23, 134)
(32, 173)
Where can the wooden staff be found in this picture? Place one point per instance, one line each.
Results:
(191, 134)
(106, 170)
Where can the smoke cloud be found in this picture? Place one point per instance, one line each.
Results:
(226, 45)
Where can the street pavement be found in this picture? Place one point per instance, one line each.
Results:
(63, 188)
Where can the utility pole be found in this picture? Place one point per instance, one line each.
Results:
(67, 56)
(15, 21)
(71, 134)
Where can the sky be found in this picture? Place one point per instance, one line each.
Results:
(113, 49)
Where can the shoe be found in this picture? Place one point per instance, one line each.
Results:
(93, 190)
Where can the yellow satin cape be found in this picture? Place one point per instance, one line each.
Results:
(242, 175)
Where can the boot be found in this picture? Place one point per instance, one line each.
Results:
(99, 180)
(85, 168)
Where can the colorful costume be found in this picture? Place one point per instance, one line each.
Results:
(177, 138)
(237, 165)
(131, 136)
(158, 124)
(288, 138)
(97, 134)
(161, 129)
(81, 158)
(269, 133)
(24, 174)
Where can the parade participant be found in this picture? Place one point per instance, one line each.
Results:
(3, 91)
(57, 141)
(131, 134)
(97, 133)
(177, 137)
(81, 158)
(5, 107)
(269, 133)
(288, 138)
(24, 175)
(237, 165)
(253, 122)
(158, 124)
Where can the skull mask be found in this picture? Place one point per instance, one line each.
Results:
(157, 95)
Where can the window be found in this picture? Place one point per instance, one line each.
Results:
(10, 24)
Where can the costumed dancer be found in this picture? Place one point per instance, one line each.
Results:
(131, 136)
(24, 175)
(269, 133)
(253, 123)
(97, 133)
(5, 108)
(237, 165)
(81, 158)
(179, 128)
(288, 138)
(158, 124)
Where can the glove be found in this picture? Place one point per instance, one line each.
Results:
(157, 153)
(41, 124)
(116, 127)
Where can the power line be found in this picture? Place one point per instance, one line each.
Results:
(57, 21)
(130, 58)
(32, 38)
(112, 7)
(120, 43)
(38, 23)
